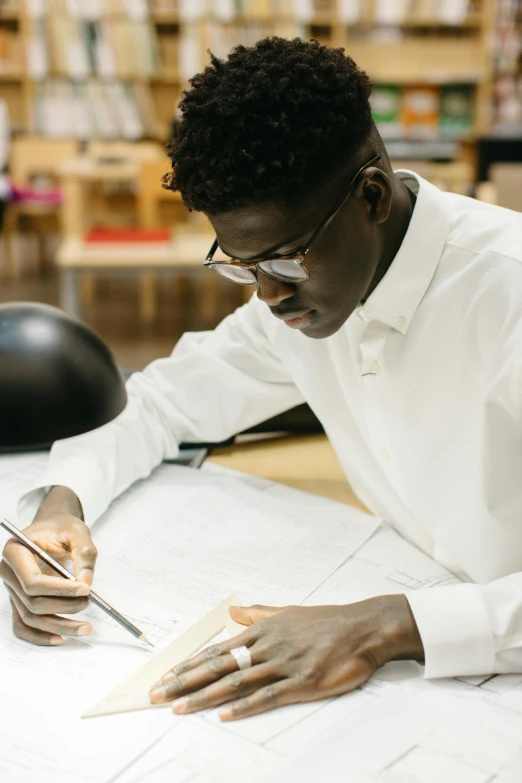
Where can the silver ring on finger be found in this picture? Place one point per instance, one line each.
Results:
(243, 656)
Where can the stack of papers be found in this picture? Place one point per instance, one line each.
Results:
(170, 550)
(179, 541)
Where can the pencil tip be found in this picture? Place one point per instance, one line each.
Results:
(145, 639)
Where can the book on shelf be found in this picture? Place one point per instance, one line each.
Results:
(452, 12)
(456, 110)
(420, 111)
(36, 49)
(448, 12)
(350, 11)
(302, 10)
(147, 110)
(166, 7)
(386, 110)
(423, 112)
(79, 47)
(10, 52)
(94, 109)
(168, 53)
(195, 39)
(259, 9)
(224, 10)
(391, 11)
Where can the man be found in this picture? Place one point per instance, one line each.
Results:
(393, 309)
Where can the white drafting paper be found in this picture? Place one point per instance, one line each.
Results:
(195, 752)
(408, 736)
(190, 535)
(43, 691)
(385, 564)
(397, 728)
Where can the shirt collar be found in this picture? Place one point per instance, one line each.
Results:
(398, 295)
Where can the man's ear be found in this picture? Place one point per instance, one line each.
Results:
(376, 189)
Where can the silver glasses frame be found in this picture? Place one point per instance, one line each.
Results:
(298, 255)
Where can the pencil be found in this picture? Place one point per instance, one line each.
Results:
(94, 597)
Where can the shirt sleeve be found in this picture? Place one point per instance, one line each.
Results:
(214, 385)
(472, 629)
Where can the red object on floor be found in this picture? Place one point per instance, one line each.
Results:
(128, 235)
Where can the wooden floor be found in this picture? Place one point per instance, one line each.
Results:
(114, 313)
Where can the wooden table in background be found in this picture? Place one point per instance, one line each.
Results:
(308, 463)
(76, 173)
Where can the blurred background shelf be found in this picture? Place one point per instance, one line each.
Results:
(96, 84)
(68, 53)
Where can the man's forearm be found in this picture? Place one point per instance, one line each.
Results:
(59, 500)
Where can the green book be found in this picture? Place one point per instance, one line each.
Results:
(457, 108)
(386, 110)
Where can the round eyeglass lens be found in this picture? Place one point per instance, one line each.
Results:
(235, 273)
(285, 269)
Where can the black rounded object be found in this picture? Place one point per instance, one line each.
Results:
(57, 377)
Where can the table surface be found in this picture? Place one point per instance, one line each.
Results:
(307, 462)
(184, 249)
(84, 167)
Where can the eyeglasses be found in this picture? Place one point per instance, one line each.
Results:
(287, 267)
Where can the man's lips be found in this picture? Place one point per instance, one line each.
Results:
(295, 320)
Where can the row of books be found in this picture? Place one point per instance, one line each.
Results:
(507, 42)
(196, 39)
(423, 112)
(449, 12)
(111, 48)
(302, 11)
(507, 88)
(95, 109)
(92, 9)
(349, 11)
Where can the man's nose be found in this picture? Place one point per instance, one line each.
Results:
(273, 292)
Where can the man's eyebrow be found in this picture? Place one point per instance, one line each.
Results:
(274, 249)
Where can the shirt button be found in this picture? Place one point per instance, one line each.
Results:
(401, 322)
(374, 368)
(385, 454)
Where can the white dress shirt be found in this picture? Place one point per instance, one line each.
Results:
(420, 393)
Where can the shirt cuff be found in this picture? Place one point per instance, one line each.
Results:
(82, 476)
(455, 631)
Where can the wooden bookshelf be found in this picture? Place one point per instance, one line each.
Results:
(416, 49)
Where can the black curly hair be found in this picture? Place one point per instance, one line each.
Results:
(268, 122)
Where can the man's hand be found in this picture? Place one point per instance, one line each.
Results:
(36, 592)
(298, 654)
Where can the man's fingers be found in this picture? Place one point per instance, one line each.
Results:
(83, 555)
(41, 585)
(170, 687)
(273, 695)
(53, 624)
(246, 638)
(215, 668)
(32, 635)
(247, 615)
(24, 564)
(239, 683)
